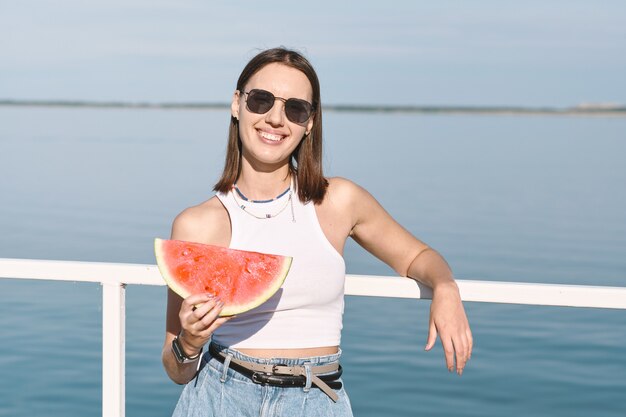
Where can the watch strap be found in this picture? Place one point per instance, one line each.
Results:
(179, 352)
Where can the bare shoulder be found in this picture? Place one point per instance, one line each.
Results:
(353, 199)
(207, 222)
(345, 202)
(346, 192)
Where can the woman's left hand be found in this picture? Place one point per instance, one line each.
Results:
(448, 319)
(375, 230)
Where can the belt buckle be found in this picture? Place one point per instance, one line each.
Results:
(259, 378)
(275, 369)
(262, 378)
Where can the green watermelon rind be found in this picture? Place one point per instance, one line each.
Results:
(229, 309)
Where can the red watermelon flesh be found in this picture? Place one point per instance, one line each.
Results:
(242, 280)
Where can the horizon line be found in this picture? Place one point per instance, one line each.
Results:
(584, 109)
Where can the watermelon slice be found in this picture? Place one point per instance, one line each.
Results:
(242, 280)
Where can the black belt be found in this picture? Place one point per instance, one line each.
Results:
(287, 381)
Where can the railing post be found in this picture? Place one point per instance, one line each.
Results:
(113, 349)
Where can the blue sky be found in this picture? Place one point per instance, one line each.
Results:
(535, 53)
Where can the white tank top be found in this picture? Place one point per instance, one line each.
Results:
(308, 309)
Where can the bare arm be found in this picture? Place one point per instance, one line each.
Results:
(447, 315)
(380, 234)
(207, 223)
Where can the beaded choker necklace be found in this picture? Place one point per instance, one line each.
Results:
(260, 201)
(244, 203)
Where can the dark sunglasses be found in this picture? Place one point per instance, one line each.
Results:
(261, 101)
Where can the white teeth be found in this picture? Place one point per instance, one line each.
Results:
(269, 136)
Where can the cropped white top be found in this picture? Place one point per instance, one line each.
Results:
(308, 309)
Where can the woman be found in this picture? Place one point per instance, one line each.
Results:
(282, 357)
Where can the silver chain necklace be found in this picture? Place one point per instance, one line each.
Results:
(242, 205)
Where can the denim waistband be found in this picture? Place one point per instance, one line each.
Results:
(310, 360)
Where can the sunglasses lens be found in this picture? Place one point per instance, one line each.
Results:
(298, 111)
(260, 101)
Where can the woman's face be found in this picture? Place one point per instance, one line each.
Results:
(269, 139)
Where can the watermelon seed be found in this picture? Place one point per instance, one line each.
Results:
(185, 252)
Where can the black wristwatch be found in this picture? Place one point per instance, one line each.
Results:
(179, 352)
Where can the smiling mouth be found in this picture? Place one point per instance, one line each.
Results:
(270, 136)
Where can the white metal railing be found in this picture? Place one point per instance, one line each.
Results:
(115, 276)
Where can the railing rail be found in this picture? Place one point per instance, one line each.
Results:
(115, 276)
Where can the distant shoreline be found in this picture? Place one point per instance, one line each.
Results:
(580, 110)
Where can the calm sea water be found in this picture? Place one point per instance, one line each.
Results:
(537, 199)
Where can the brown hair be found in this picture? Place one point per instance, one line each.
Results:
(306, 160)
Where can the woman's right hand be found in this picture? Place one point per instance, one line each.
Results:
(206, 223)
(198, 320)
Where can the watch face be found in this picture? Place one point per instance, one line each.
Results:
(178, 351)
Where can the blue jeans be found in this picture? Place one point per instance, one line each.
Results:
(222, 392)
